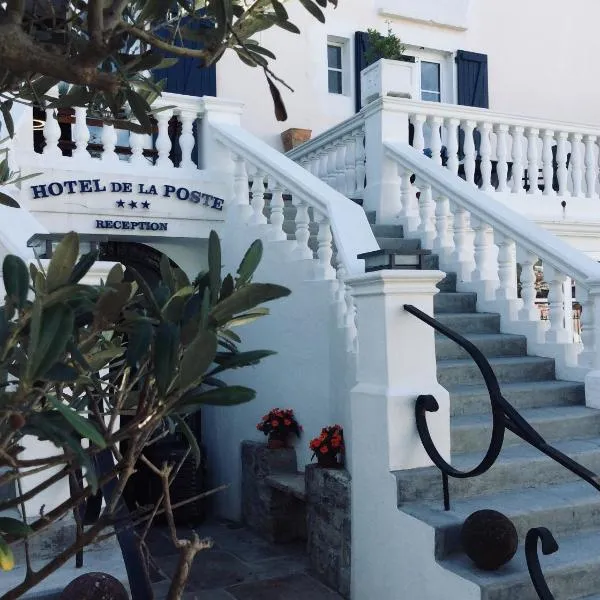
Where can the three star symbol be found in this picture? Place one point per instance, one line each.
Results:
(132, 204)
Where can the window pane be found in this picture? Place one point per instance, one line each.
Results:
(431, 96)
(334, 57)
(430, 76)
(335, 82)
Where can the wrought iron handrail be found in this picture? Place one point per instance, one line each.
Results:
(504, 416)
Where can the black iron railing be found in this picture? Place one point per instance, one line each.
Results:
(504, 416)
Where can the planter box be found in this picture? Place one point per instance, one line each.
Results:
(294, 137)
(388, 78)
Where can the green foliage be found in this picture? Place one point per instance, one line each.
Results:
(383, 46)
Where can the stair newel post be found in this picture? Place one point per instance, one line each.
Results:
(561, 159)
(461, 257)
(324, 269)
(241, 197)
(532, 159)
(418, 122)
(547, 161)
(518, 169)
(51, 135)
(359, 149)
(302, 250)
(529, 311)
(350, 165)
(340, 166)
(186, 139)
(277, 217)
(81, 133)
(485, 150)
(501, 154)
(452, 144)
(258, 198)
(435, 143)
(396, 362)
(442, 244)
(163, 141)
(109, 143)
(427, 216)
(576, 162)
(591, 173)
(556, 333)
(469, 151)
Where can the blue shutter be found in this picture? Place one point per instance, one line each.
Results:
(361, 43)
(472, 79)
(186, 77)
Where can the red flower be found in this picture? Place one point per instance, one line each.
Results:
(336, 442)
(287, 422)
(324, 450)
(315, 444)
(274, 423)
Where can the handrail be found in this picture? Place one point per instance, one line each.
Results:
(504, 416)
(332, 134)
(351, 230)
(527, 234)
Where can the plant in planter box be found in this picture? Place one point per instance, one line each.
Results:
(278, 424)
(329, 447)
(384, 46)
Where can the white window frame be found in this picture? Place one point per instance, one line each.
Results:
(343, 44)
(447, 70)
(440, 79)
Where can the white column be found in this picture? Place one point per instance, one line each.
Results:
(561, 159)
(452, 144)
(81, 133)
(163, 142)
(591, 173)
(186, 139)
(485, 129)
(109, 143)
(547, 168)
(532, 159)
(469, 151)
(51, 135)
(576, 163)
(517, 156)
(501, 153)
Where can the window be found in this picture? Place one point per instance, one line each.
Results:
(334, 69)
(430, 81)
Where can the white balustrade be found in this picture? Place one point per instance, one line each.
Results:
(426, 229)
(469, 150)
(502, 154)
(277, 216)
(350, 165)
(547, 162)
(576, 163)
(324, 268)
(359, 146)
(51, 135)
(532, 160)
(186, 139)
(561, 158)
(529, 311)
(340, 166)
(590, 166)
(81, 134)
(518, 167)
(163, 141)
(109, 143)
(258, 198)
(302, 250)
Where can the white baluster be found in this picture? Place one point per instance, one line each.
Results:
(469, 151)
(576, 163)
(340, 167)
(277, 216)
(590, 166)
(408, 211)
(435, 144)
(186, 139)
(568, 295)
(331, 165)
(418, 139)
(302, 250)
(507, 288)
(547, 159)
(51, 135)
(324, 269)
(485, 150)
(561, 159)
(351, 332)
(340, 295)
(532, 159)
(501, 155)
(556, 334)
(461, 256)
(241, 192)
(359, 145)
(427, 217)
(452, 144)
(443, 240)
(350, 166)
(163, 142)
(109, 143)
(323, 164)
(137, 149)
(587, 357)
(258, 199)
(529, 311)
(81, 133)
(518, 168)
(482, 250)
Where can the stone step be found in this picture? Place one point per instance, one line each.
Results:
(392, 231)
(517, 468)
(471, 433)
(564, 509)
(508, 369)
(394, 243)
(474, 399)
(471, 322)
(571, 573)
(454, 302)
(491, 344)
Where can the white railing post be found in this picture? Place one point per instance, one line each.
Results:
(382, 192)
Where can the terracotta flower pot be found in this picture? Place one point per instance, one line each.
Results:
(275, 443)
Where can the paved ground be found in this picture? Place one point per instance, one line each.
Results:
(241, 566)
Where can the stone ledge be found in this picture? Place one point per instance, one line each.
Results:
(291, 483)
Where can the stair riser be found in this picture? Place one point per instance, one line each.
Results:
(389, 231)
(476, 438)
(469, 374)
(454, 303)
(472, 404)
(446, 349)
(394, 243)
(425, 484)
(471, 323)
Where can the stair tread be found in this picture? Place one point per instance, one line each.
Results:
(495, 360)
(517, 386)
(482, 337)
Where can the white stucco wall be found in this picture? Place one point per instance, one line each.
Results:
(539, 54)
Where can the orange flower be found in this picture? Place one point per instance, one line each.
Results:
(315, 444)
(336, 442)
(324, 449)
(274, 423)
(287, 422)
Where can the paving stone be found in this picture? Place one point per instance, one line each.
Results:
(292, 587)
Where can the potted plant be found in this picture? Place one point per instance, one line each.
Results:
(389, 72)
(329, 447)
(278, 424)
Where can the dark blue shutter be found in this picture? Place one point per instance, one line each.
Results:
(185, 77)
(361, 43)
(472, 79)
